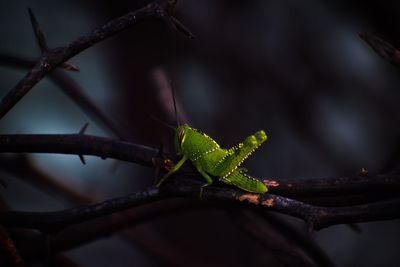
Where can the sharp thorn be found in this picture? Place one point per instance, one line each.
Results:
(82, 159)
(70, 67)
(82, 132)
(83, 129)
(182, 28)
(38, 32)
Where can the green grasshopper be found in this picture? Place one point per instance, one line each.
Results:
(211, 160)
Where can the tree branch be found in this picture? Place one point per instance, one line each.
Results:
(54, 221)
(315, 216)
(78, 144)
(50, 59)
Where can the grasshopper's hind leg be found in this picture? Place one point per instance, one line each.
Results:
(240, 179)
(239, 153)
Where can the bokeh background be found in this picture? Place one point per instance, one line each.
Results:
(297, 69)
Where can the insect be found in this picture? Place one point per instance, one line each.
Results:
(211, 160)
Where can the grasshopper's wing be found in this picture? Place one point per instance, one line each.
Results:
(240, 179)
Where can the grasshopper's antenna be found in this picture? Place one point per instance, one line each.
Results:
(166, 124)
(176, 111)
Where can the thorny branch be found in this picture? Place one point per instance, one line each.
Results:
(78, 144)
(52, 58)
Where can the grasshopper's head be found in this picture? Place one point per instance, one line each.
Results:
(180, 136)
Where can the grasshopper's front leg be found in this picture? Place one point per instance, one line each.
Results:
(174, 169)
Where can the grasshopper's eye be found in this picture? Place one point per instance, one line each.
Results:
(181, 135)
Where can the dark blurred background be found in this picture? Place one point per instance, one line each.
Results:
(297, 69)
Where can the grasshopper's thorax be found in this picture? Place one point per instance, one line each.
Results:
(194, 143)
(180, 136)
